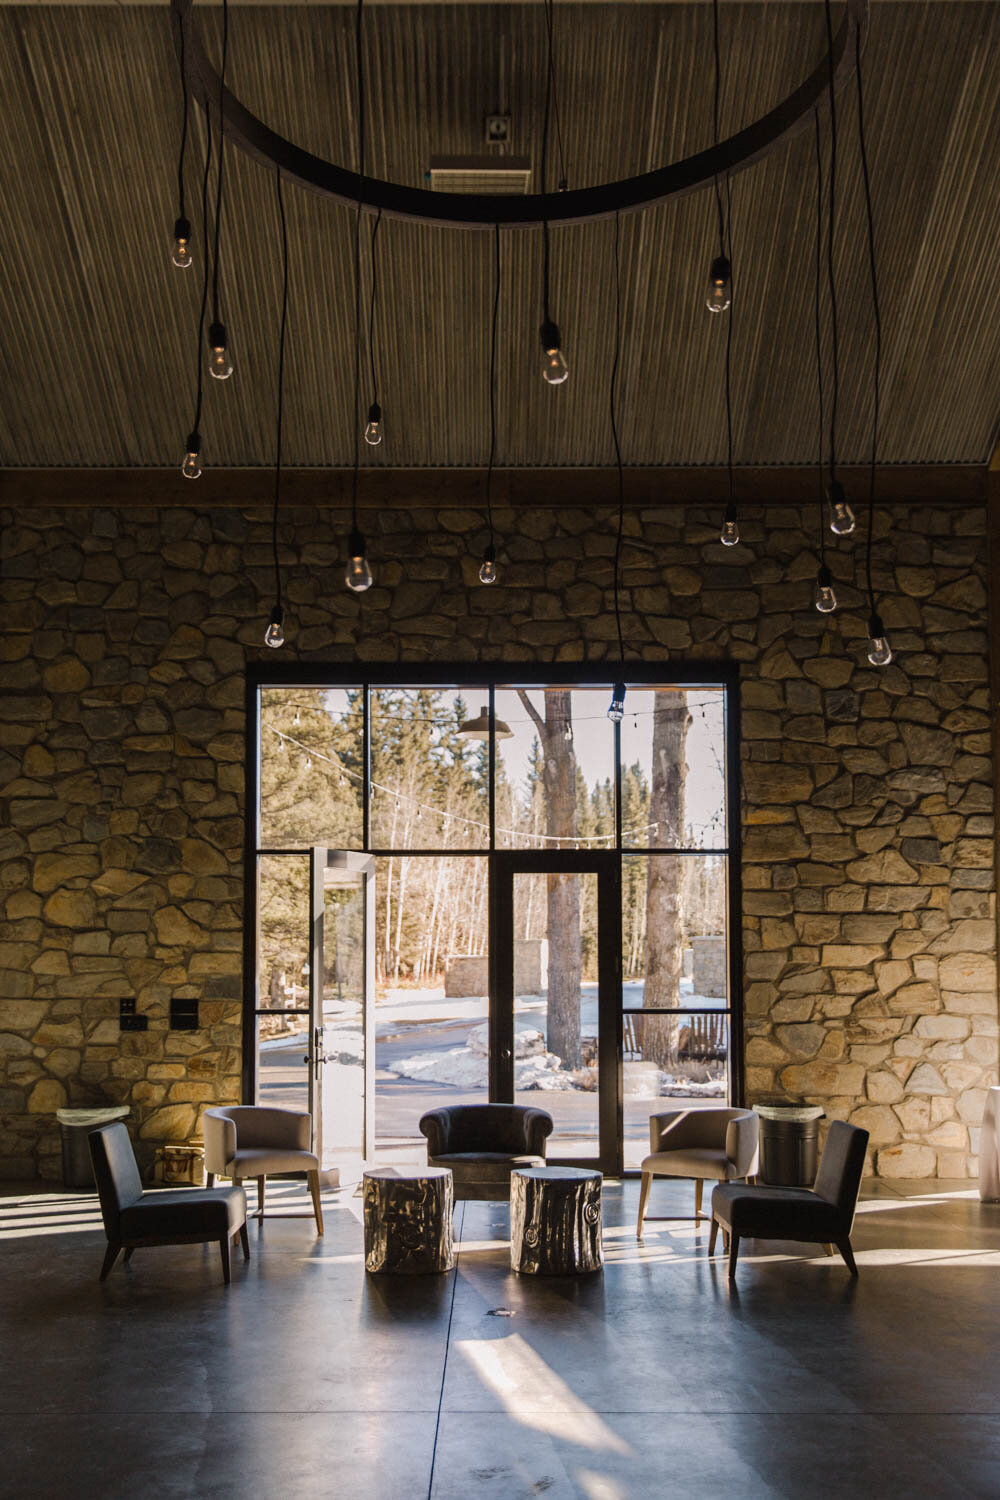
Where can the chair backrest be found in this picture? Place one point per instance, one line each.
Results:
(115, 1172)
(841, 1168)
(685, 1129)
(494, 1127)
(266, 1125)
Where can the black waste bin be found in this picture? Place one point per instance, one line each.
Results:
(789, 1143)
(76, 1125)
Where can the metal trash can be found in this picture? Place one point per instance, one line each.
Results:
(76, 1125)
(789, 1143)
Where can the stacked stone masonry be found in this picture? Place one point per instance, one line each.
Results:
(868, 871)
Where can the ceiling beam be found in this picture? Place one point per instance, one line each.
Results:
(464, 489)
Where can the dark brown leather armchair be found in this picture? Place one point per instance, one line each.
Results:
(483, 1143)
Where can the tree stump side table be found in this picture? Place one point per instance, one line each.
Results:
(408, 1229)
(555, 1221)
(989, 1149)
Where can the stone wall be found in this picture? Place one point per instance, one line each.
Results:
(869, 937)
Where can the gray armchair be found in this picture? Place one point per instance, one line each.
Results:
(823, 1214)
(719, 1144)
(251, 1140)
(178, 1216)
(483, 1143)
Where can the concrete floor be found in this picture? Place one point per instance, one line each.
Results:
(652, 1379)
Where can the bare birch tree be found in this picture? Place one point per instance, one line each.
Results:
(664, 917)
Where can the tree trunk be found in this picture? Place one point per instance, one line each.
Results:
(565, 953)
(663, 887)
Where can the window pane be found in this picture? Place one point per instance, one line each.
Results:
(674, 930)
(555, 1005)
(431, 1012)
(311, 767)
(429, 781)
(283, 980)
(681, 734)
(556, 770)
(697, 1079)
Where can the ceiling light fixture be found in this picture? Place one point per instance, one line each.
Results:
(516, 210)
(191, 466)
(373, 428)
(836, 490)
(616, 710)
(220, 362)
(824, 597)
(358, 575)
(488, 567)
(879, 650)
(180, 252)
(722, 267)
(274, 636)
(720, 273)
(555, 370)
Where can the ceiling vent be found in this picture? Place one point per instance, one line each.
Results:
(480, 174)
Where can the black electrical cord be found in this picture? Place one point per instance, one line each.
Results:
(199, 364)
(493, 382)
(715, 121)
(281, 386)
(563, 179)
(371, 310)
(877, 312)
(819, 341)
(184, 134)
(835, 393)
(222, 154)
(357, 255)
(613, 403)
(543, 170)
(728, 250)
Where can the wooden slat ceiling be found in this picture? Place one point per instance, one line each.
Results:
(98, 329)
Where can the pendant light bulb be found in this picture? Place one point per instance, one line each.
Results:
(554, 367)
(616, 712)
(274, 635)
(841, 515)
(180, 254)
(879, 650)
(191, 467)
(824, 597)
(488, 569)
(220, 364)
(373, 430)
(730, 533)
(358, 576)
(720, 285)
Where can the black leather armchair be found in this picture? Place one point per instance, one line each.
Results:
(483, 1143)
(823, 1215)
(180, 1216)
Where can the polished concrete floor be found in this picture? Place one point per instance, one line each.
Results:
(654, 1378)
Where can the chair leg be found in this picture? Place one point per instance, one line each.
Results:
(245, 1240)
(260, 1196)
(698, 1185)
(844, 1246)
(647, 1182)
(734, 1252)
(110, 1256)
(128, 1253)
(317, 1206)
(210, 1179)
(713, 1236)
(827, 1248)
(224, 1252)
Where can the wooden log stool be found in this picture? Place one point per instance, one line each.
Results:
(555, 1221)
(408, 1228)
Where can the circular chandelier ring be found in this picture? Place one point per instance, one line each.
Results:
(516, 211)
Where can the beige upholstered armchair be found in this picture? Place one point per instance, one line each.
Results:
(720, 1144)
(250, 1140)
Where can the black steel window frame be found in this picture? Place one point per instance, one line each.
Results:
(723, 676)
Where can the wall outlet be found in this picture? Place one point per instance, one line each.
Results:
(128, 1019)
(183, 1014)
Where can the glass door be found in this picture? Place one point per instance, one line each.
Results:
(555, 1009)
(342, 1010)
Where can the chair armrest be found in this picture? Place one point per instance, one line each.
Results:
(741, 1144)
(219, 1134)
(434, 1125)
(290, 1129)
(538, 1126)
